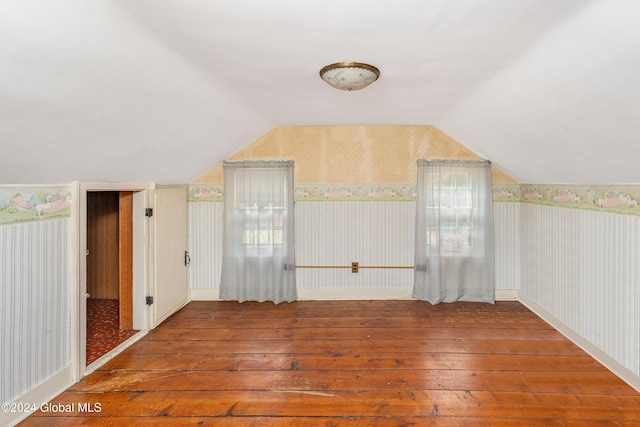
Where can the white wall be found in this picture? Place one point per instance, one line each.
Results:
(506, 223)
(582, 268)
(337, 233)
(205, 249)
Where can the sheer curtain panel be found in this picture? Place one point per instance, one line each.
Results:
(258, 262)
(454, 232)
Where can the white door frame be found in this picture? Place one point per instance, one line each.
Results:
(142, 266)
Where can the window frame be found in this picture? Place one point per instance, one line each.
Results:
(460, 233)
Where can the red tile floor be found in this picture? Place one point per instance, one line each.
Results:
(103, 331)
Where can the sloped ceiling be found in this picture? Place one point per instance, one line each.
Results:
(160, 90)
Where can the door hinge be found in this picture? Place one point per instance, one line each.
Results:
(148, 212)
(187, 258)
(149, 300)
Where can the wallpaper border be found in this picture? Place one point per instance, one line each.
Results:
(619, 199)
(379, 192)
(25, 204)
(341, 192)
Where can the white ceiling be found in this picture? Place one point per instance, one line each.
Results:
(160, 90)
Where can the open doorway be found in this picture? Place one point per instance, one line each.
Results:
(159, 285)
(142, 199)
(109, 267)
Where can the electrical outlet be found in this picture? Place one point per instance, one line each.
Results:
(354, 267)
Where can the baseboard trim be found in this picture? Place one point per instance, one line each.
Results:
(506, 295)
(353, 294)
(213, 294)
(610, 363)
(38, 395)
(204, 294)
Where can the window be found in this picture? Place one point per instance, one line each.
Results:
(258, 260)
(454, 232)
(449, 216)
(263, 225)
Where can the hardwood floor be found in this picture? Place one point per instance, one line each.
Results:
(350, 363)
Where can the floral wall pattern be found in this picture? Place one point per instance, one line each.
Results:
(336, 192)
(355, 192)
(620, 199)
(384, 169)
(604, 198)
(20, 205)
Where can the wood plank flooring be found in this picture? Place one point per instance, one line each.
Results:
(350, 363)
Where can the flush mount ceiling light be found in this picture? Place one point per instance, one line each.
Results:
(349, 76)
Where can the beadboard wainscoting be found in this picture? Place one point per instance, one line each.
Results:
(35, 318)
(205, 249)
(332, 235)
(506, 223)
(581, 268)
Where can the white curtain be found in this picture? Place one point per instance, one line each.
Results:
(454, 232)
(258, 262)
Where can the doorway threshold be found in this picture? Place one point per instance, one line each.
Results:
(114, 352)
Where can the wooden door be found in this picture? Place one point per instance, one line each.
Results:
(110, 250)
(170, 214)
(125, 255)
(102, 245)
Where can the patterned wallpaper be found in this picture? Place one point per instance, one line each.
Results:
(348, 192)
(583, 269)
(35, 321)
(34, 286)
(378, 233)
(620, 199)
(353, 154)
(337, 192)
(604, 198)
(363, 163)
(340, 192)
(20, 205)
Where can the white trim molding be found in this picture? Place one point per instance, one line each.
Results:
(204, 294)
(39, 395)
(307, 294)
(610, 363)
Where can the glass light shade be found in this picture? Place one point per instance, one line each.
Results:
(349, 76)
